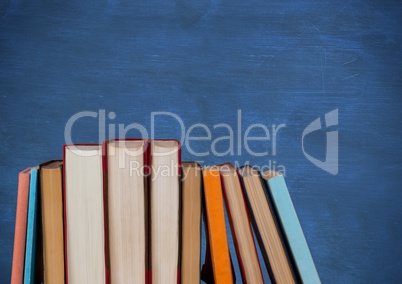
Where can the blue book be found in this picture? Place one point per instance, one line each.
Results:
(292, 230)
(30, 248)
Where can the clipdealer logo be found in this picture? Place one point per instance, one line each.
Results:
(331, 162)
(236, 139)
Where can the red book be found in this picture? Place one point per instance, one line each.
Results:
(17, 272)
(85, 241)
(164, 219)
(239, 219)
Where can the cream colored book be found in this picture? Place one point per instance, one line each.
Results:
(84, 214)
(126, 199)
(164, 211)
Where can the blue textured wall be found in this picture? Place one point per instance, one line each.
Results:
(279, 62)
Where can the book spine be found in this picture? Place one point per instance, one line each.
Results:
(17, 272)
(248, 217)
(146, 172)
(107, 272)
(150, 171)
(65, 216)
(147, 194)
(147, 175)
(180, 223)
(179, 171)
(187, 193)
(278, 226)
(105, 210)
(51, 209)
(239, 258)
(257, 233)
(30, 252)
(292, 230)
(202, 208)
(218, 265)
(207, 273)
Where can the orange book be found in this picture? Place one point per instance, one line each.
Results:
(17, 272)
(217, 236)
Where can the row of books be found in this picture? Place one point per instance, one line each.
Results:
(129, 211)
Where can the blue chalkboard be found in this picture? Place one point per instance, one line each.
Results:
(221, 62)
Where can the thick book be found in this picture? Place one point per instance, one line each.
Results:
(52, 221)
(291, 227)
(84, 226)
(239, 220)
(217, 258)
(125, 172)
(33, 270)
(266, 228)
(165, 157)
(21, 215)
(191, 223)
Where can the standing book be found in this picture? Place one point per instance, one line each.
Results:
(291, 227)
(33, 270)
(84, 227)
(17, 272)
(52, 221)
(165, 211)
(217, 258)
(125, 166)
(191, 223)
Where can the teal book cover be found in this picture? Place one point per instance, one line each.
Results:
(292, 230)
(31, 239)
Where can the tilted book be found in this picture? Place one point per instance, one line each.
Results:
(266, 227)
(239, 220)
(291, 227)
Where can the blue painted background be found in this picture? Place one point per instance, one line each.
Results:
(277, 61)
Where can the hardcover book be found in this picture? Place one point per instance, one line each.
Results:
(217, 259)
(191, 223)
(33, 270)
(291, 227)
(126, 192)
(266, 228)
(21, 216)
(238, 214)
(84, 225)
(52, 221)
(165, 211)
